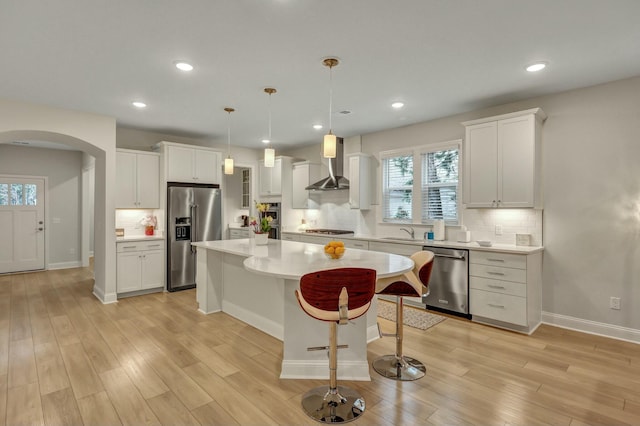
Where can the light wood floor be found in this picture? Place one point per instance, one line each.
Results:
(67, 359)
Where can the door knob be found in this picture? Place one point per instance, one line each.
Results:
(40, 229)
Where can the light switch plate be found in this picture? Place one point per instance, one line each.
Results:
(498, 229)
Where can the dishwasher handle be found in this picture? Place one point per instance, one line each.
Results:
(449, 256)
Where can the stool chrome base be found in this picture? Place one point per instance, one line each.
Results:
(404, 368)
(341, 406)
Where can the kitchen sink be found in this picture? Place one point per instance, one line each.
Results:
(402, 239)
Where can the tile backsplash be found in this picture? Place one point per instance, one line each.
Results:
(483, 222)
(130, 221)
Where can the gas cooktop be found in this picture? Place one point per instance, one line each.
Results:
(328, 231)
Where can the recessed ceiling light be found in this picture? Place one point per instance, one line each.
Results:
(397, 105)
(265, 141)
(183, 66)
(317, 126)
(139, 104)
(538, 66)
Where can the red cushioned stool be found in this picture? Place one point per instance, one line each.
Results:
(335, 296)
(413, 283)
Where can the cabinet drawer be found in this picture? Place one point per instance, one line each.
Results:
(507, 260)
(498, 273)
(290, 237)
(500, 307)
(124, 247)
(362, 245)
(496, 286)
(238, 233)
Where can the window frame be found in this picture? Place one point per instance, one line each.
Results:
(416, 194)
(443, 146)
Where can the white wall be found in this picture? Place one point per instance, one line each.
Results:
(64, 170)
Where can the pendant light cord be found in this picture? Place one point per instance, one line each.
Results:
(269, 118)
(330, 97)
(229, 134)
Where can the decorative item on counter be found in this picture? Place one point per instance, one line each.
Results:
(438, 230)
(245, 220)
(464, 236)
(303, 225)
(523, 239)
(119, 232)
(430, 235)
(334, 249)
(262, 224)
(149, 222)
(484, 243)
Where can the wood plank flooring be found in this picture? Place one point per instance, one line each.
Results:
(66, 359)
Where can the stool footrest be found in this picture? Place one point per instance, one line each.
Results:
(325, 348)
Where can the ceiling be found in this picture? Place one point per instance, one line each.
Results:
(438, 57)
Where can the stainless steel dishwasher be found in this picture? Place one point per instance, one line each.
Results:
(449, 283)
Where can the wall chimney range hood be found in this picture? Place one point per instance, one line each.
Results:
(335, 180)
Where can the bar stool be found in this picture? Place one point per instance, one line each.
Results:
(335, 296)
(412, 283)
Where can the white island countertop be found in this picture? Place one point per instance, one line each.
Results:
(292, 260)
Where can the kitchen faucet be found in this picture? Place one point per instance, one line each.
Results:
(410, 232)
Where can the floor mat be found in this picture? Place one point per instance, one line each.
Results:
(413, 317)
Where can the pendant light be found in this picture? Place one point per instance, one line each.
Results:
(329, 144)
(228, 162)
(269, 153)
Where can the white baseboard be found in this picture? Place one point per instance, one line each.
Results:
(105, 298)
(592, 327)
(309, 369)
(65, 265)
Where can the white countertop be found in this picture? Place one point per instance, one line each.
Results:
(503, 248)
(292, 259)
(132, 238)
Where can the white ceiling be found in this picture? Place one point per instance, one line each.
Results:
(439, 57)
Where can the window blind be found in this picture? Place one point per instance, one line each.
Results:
(397, 188)
(440, 185)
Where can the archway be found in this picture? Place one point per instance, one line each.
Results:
(104, 269)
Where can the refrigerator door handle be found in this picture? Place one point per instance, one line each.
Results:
(194, 225)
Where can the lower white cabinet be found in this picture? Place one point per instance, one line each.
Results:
(237, 233)
(290, 237)
(140, 265)
(505, 289)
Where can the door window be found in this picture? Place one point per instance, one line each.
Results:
(18, 194)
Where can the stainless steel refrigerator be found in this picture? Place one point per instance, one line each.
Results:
(194, 213)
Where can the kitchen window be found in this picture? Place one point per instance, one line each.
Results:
(440, 184)
(421, 182)
(397, 188)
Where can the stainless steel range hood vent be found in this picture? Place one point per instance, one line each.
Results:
(335, 180)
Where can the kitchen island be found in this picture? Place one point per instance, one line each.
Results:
(257, 284)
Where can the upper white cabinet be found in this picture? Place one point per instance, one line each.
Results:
(186, 163)
(137, 179)
(271, 178)
(303, 174)
(360, 181)
(503, 160)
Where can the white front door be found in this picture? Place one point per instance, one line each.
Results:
(21, 223)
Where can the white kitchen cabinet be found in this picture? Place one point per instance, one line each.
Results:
(303, 174)
(316, 239)
(238, 233)
(503, 161)
(271, 178)
(186, 163)
(290, 236)
(360, 181)
(140, 266)
(505, 289)
(137, 179)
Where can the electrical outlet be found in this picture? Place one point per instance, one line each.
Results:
(614, 302)
(498, 229)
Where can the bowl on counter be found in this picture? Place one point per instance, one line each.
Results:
(484, 243)
(334, 249)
